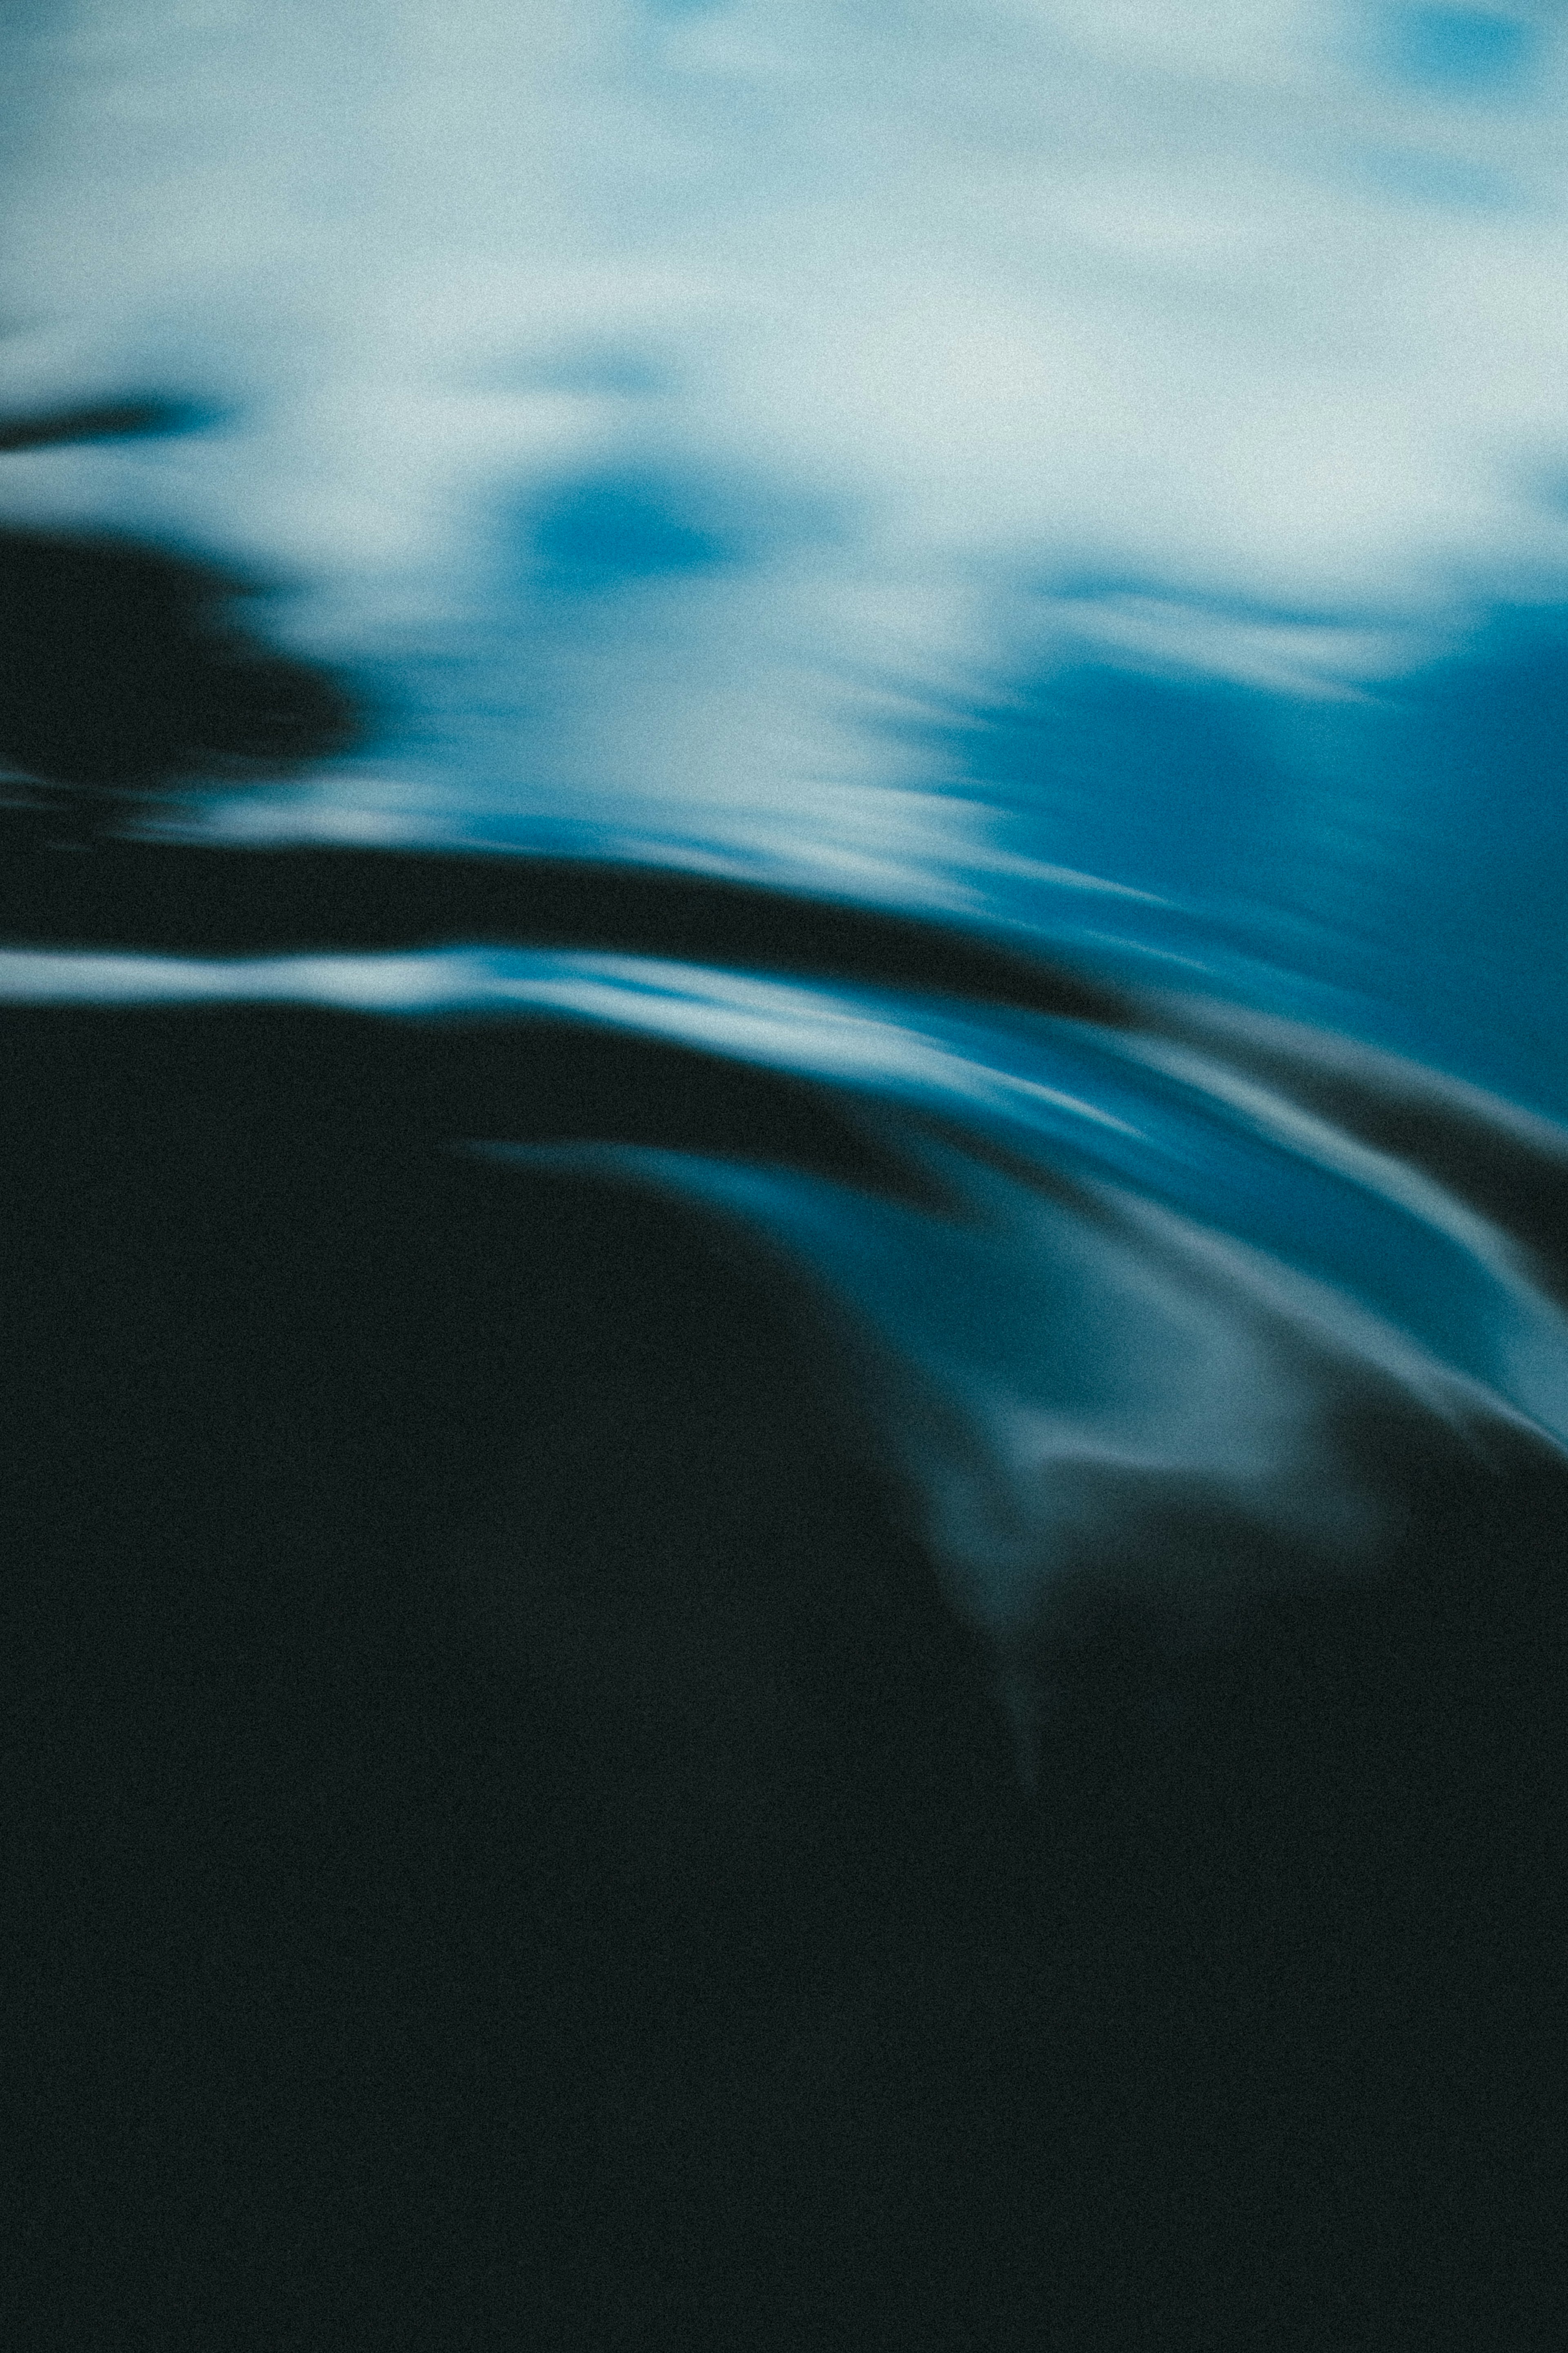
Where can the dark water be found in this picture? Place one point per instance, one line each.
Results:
(1173, 1179)
(786, 1356)
(857, 1642)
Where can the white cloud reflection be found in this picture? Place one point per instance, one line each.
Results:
(1243, 300)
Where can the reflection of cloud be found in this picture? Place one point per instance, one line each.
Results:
(1117, 277)
(1303, 654)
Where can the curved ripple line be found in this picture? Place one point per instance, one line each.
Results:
(1157, 1274)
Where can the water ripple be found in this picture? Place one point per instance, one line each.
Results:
(1150, 1278)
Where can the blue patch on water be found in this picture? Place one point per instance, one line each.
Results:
(1460, 49)
(1407, 847)
(1163, 785)
(604, 531)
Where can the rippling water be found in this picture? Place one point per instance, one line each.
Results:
(1161, 1255)
(1165, 1254)
(1077, 491)
(1262, 765)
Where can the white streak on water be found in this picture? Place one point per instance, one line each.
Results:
(1049, 1363)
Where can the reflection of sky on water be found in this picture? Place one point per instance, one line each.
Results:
(1088, 471)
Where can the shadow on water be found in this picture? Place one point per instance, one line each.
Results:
(519, 1843)
(128, 668)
